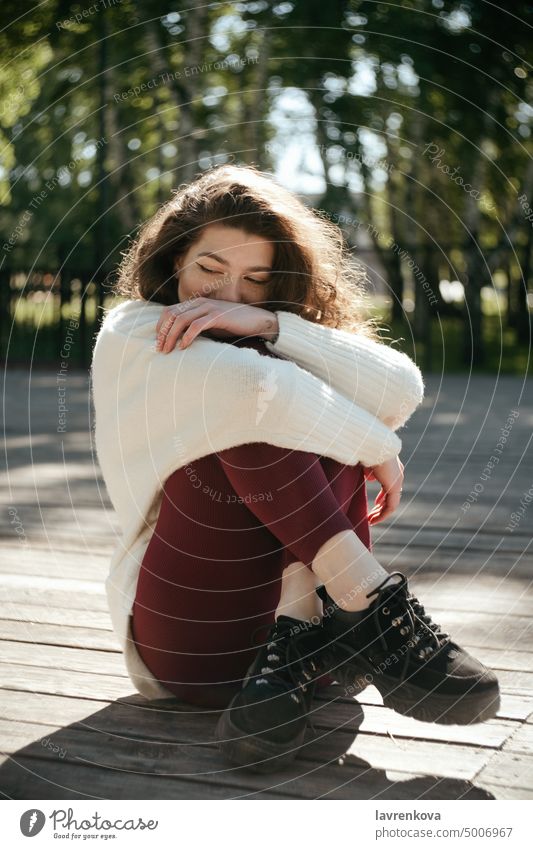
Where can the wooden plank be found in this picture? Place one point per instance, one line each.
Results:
(519, 683)
(513, 707)
(317, 767)
(94, 638)
(444, 759)
(74, 566)
(60, 635)
(64, 616)
(13, 581)
(143, 720)
(521, 740)
(112, 663)
(382, 722)
(33, 778)
(443, 563)
(508, 769)
(36, 679)
(503, 659)
(84, 684)
(61, 657)
(452, 539)
(499, 791)
(467, 600)
(47, 597)
(492, 632)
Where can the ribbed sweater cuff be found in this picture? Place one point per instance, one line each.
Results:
(334, 426)
(375, 375)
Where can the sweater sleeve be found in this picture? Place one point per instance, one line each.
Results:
(381, 379)
(213, 395)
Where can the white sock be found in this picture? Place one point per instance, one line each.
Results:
(348, 570)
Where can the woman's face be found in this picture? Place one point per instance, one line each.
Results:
(228, 264)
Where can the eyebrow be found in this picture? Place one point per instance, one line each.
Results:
(225, 261)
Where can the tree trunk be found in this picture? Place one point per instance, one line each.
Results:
(183, 92)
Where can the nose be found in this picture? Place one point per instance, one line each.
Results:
(230, 290)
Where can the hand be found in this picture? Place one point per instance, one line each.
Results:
(390, 476)
(214, 316)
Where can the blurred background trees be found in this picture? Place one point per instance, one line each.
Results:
(409, 124)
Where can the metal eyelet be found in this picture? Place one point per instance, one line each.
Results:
(404, 631)
(385, 611)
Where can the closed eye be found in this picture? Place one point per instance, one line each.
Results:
(218, 271)
(209, 270)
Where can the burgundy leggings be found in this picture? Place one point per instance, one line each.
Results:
(229, 524)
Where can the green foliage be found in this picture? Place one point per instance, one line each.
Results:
(416, 116)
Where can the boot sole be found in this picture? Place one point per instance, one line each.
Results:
(411, 700)
(255, 753)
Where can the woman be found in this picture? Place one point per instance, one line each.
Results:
(241, 403)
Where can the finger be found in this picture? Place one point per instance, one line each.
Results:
(163, 331)
(390, 506)
(168, 339)
(163, 318)
(173, 310)
(379, 497)
(196, 327)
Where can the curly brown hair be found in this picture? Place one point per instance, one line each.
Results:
(313, 272)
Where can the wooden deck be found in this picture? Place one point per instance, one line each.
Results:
(71, 724)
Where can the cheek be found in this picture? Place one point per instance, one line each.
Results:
(189, 284)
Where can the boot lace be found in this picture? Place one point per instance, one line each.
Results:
(282, 661)
(423, 637)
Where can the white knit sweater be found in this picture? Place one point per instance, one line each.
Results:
(329, 391)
